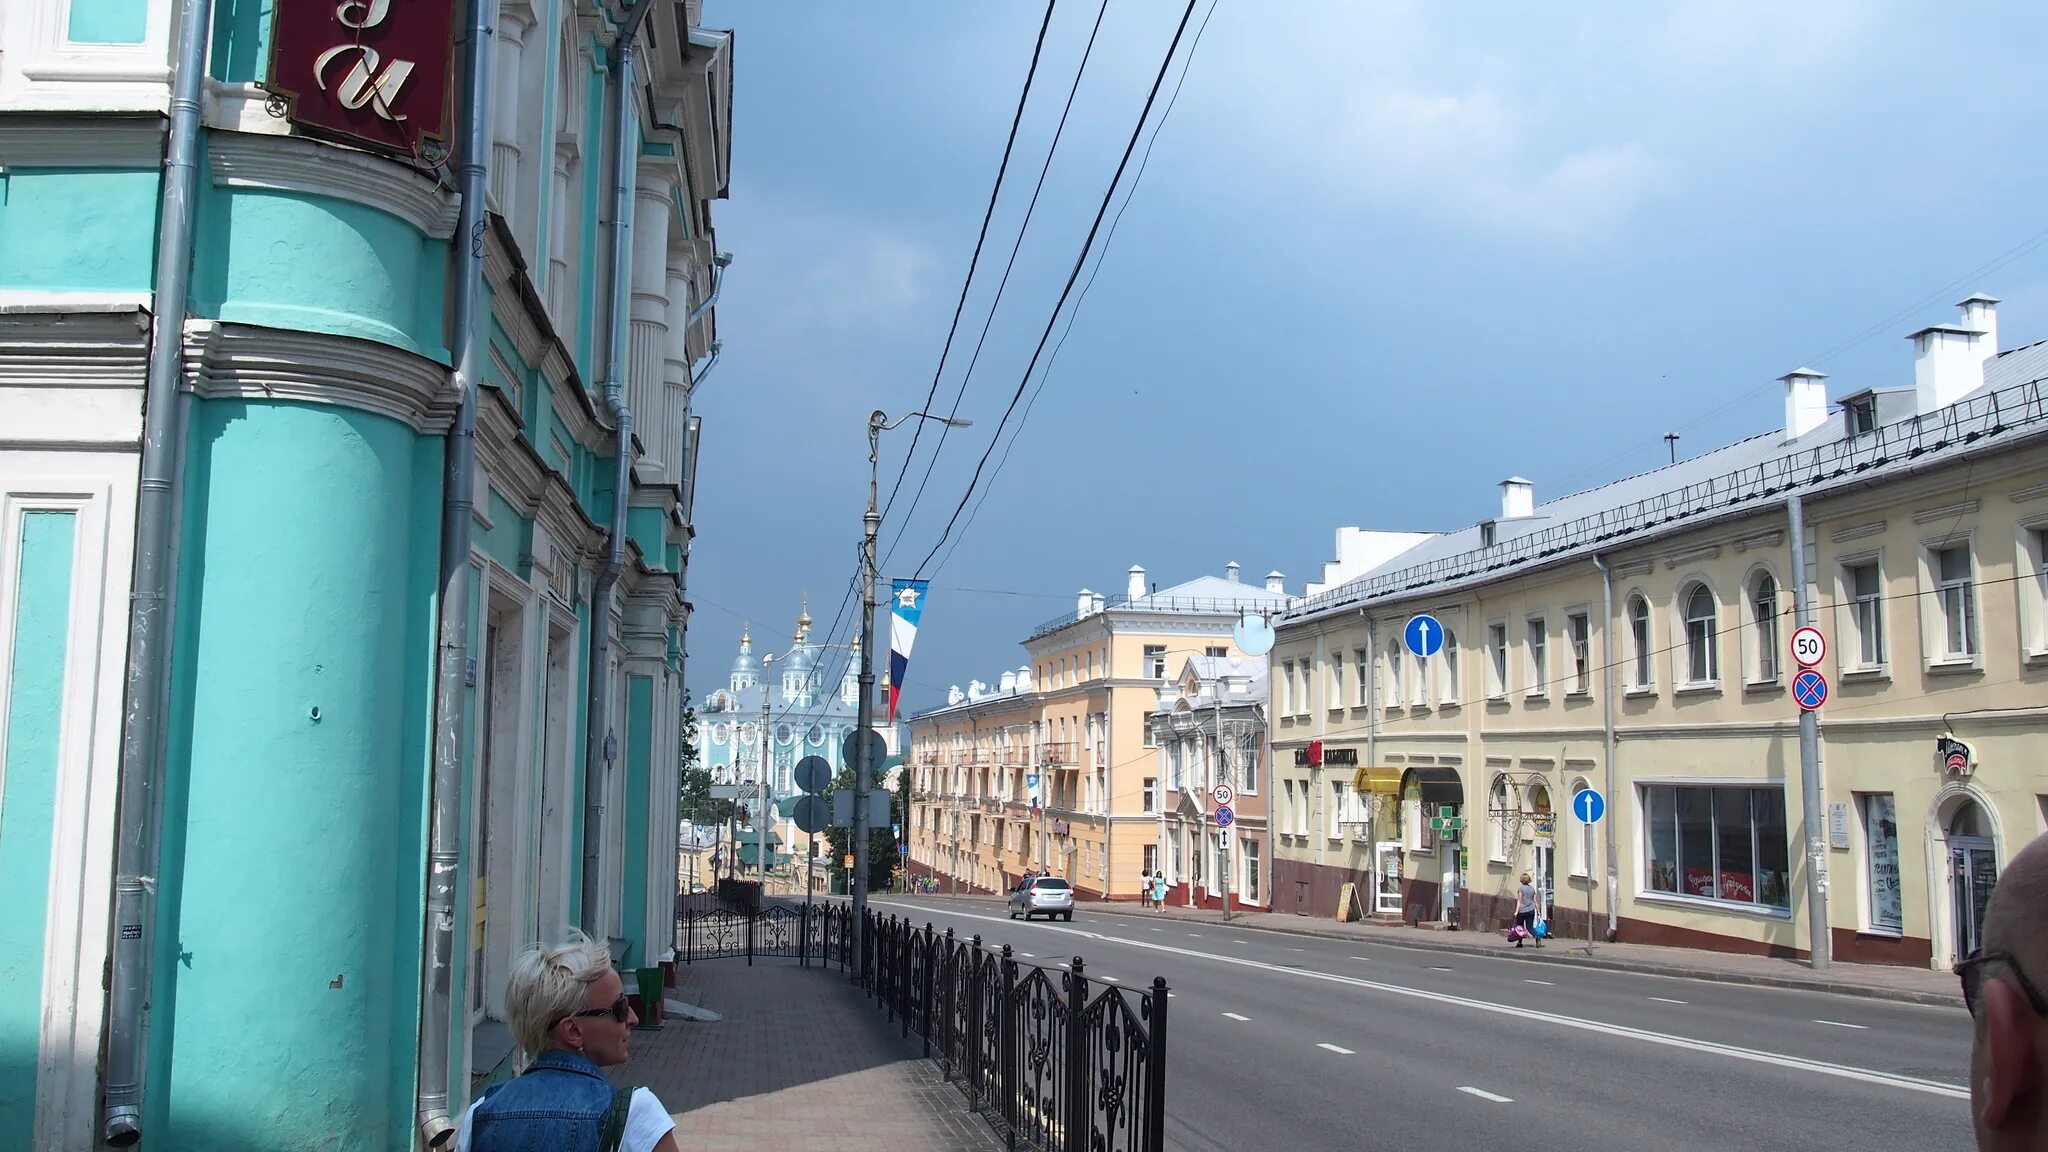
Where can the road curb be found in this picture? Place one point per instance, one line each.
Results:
(1541, 956)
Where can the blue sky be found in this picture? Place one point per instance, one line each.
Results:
(1383, 256)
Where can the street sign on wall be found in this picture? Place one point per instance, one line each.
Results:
(370, 73)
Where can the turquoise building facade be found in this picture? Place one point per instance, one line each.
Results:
(289, 897)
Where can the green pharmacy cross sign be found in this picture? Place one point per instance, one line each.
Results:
(1446, 823)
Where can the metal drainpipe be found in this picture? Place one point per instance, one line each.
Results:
(1607, 726)
(149, 624)
(458, 480)
(599, 734)
(1370, 675)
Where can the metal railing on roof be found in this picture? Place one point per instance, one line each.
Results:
(1165, 605)
(1837, 463)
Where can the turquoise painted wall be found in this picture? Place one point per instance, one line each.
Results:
(645, 528)
(509, 541)
(28, 800)
(594, 186)
(316, 263)
(633, 866)
(292, 868)
(241, 40)
(78, 229)
(107, 22)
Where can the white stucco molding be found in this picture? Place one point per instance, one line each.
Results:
(243, 360)
(77, 142)
(292, 164)
(72, 379)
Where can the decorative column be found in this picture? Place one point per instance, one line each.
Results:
(563, 214)
(647, 335)
(676, 370)
(514, 19)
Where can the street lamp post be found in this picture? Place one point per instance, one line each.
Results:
(864, 767)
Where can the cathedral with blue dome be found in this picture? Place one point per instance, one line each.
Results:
(805, 716)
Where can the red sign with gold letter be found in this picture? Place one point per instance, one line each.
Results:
(377, 74)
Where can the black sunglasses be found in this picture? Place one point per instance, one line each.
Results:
(618, 1010)
(1971, 972)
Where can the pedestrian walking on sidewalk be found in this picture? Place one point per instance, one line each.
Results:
(1525, 913)
(570, 1015)
(1159, 890)
(2002, 987)
(1144, 889)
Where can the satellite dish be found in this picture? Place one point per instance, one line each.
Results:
(1254, 636)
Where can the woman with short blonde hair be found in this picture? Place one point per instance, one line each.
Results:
(570, 1016)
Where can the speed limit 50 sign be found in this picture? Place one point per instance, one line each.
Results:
(1809, 647)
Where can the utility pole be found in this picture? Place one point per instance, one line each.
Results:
(1809, 756)
(1223, 770)
(761, 784)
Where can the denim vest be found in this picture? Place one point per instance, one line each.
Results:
(556, 1105)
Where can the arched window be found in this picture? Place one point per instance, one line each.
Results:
(1507, 819)
(1573, 842)
(1639, 641)
(1395, 698)
(1450, 655)
(1702, 663)
(1763, 612)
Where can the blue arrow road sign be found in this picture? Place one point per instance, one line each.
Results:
(1424, 635)
(1031, 779)
(1224, 815)
(1589, 806)
(1810, 688)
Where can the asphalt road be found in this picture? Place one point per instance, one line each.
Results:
(1288, 1042)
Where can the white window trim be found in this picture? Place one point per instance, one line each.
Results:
(1287, 688)
(1361, 659)
(1934, 654)
(1452, 665)
(1848, 637)
(2031, 561)
(1579, 612)
(1496, 853)
(1334, 690)
(1497, 668)
(1681, 631)
(1397, 681)
(1751, 641)
(1574, 843)
(1537, 670)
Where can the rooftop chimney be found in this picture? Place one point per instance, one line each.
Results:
(1981, 313)
(1946, 365)
(1100, 603)
(1008, 683)
(954, 695)
(1806, 401)
(1024, 678)
(1276, 582)
(1517, 498)
(1137, 589)
(1230, 571)
(1084, 601)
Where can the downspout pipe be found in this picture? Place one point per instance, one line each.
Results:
(149, 618)
(599, 739)
(1607, 731)
(458, 484)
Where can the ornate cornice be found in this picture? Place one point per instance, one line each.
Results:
(242, 360)
(57, 348)
(295, 164)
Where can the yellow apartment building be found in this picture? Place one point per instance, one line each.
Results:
(1045, 770)
(1635, 639)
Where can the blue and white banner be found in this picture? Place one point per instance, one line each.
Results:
(907, 598)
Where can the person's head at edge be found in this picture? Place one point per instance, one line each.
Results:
(2009, 1052)
(566, 997)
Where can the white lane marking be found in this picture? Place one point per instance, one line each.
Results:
(1660, 1039)
(1839, 1024)
(1235, 1016)
(1240, 941)
(1666, 1000)
(1438, 968)
(1194, 933)
(1367, 959)
(1337, 1050)
(1545, 983)
(1028, 955)
(1292, 949)
(1158, 929)
(1483, 1094)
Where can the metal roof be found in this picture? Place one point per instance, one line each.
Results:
(2009, 409)
(1204, 595)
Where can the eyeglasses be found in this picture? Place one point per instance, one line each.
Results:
(1971, 973)
(618, 1010)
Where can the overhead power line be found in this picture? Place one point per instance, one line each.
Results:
(1143, 163)
(1080, 262)
(1004, 283)
(1023, 98)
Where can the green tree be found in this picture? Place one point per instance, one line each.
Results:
(881, 840)
(695, 779)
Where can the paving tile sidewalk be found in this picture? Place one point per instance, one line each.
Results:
(1874, 981)
(800, 1058)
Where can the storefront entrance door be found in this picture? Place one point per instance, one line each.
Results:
(1386, 872)
(1973, 872)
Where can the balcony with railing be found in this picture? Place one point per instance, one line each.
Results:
(1059, 754)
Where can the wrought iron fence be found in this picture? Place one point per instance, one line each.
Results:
(807, 933)
(1054, 1063)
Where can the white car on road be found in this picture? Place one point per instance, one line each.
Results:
(1043, 895)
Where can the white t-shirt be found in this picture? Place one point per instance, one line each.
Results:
(646, 1123)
